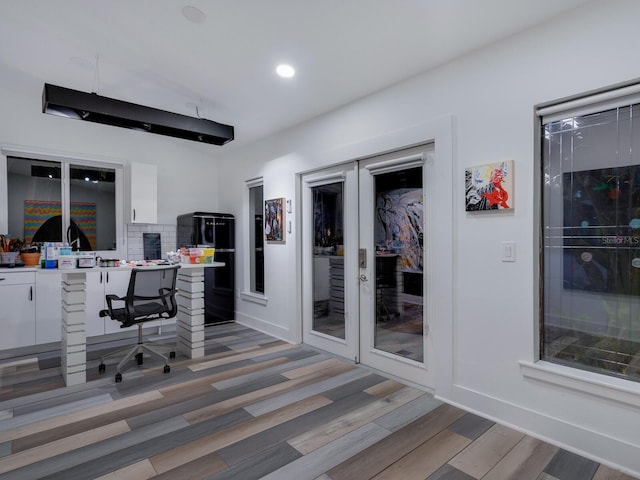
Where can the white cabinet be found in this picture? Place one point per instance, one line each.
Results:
(31, 305)
(48, 307)
(143, 193)
(17, 309)
(101, 283)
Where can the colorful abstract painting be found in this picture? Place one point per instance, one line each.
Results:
(274, 220)
(489, 187)
(37, 212)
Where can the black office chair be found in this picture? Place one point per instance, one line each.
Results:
(151, 295)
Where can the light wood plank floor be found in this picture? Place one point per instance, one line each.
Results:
(254, 407)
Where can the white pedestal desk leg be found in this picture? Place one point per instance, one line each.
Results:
(74, 340)
(190, 318)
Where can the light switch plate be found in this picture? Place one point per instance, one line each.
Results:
(508, 251)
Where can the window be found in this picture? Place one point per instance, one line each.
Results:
(64, 201)
(256, 239)
(591, 236)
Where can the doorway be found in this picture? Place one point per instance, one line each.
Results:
(364, 262)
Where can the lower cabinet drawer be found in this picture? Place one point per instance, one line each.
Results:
(17, 278)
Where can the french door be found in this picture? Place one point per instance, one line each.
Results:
(330, 268)
(365, 258)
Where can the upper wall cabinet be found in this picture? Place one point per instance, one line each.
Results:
(143, 193)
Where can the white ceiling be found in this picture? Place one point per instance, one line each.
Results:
(147, 52)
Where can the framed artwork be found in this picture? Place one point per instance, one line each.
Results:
(489, 187)
(274, 212)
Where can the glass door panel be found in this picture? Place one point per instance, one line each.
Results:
(328, 259)
(329, 251)
(398, 236)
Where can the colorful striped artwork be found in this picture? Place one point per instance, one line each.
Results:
(36, 212)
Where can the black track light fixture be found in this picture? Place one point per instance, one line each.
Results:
(91, 107)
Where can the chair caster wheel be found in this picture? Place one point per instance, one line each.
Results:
(101, 368)
(167, 369)
(172, 354)
(139, 358)
(118, 377)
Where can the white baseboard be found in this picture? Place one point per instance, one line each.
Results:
(601, 448)
(265, 327)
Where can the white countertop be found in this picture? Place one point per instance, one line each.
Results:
(102, 269)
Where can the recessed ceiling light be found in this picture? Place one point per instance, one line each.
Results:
(193, 14)
(285, 71)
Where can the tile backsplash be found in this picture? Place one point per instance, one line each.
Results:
(135, 246)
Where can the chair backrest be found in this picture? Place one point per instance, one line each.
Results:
(151, 294)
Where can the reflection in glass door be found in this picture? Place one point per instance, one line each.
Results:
(328, 259)
(398, 236)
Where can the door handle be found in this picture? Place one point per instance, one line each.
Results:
(362, 258)
(363, 278)
(31, 293)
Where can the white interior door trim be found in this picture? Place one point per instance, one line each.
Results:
(391, 165)
(325, 179)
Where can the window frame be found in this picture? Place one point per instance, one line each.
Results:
(249, 293)
(543, 368)
(66, 161)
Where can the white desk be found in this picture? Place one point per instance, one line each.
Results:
(189, 320)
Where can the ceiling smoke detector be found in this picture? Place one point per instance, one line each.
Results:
(193, 14)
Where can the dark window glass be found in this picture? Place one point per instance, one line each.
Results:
(591, 258)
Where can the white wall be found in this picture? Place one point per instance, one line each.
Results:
(187, 171)
(491, 96)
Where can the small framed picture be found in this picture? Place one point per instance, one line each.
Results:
(274, 220)
(489, 187)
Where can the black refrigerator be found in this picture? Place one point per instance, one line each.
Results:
(214, 230)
